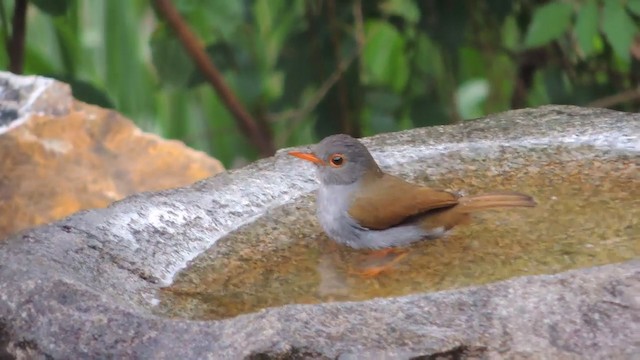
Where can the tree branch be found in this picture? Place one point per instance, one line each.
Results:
(16, 45)
(247, 124)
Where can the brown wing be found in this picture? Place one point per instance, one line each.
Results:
(394, 200)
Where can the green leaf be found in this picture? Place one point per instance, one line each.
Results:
(446, 23)
(587, 27)
(42, 35)
(338, 108)
(381, 122)
(618, 28)
(247, 85)
(428, 111)
(510, 33)
(537, 95)
(406, 9)
(68, 35)
(500, 9)
(555, 85)
(298, 66)
(428, 57)
(53, 7)
(36, 61)
(472, 63)
(470, 96)
(275, 21)
(380, 115)
(212, 19)
(127, 77)
(223, 57)
(230, 144)
(384, 57)
(634, 6)
(173, 65)
(549, 22)
(87, 92)
(4, 58)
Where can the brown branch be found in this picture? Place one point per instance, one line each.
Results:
(613, 100)
(16, 45)
(260, 138)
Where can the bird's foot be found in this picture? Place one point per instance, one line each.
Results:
(369, 272)
(381, 253)
(373, 271)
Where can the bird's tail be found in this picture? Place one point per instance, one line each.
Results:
(469, 204)
(461, 213)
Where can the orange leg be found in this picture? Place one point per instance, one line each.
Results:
(380, 253)
(374, 271)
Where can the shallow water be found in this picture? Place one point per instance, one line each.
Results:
(588, 214)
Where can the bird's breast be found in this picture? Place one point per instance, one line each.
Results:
(333, 203)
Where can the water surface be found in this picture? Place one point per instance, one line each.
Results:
(588, 214)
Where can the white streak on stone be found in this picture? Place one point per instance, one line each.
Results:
(19, 83)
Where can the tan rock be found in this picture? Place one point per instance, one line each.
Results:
(59, 156)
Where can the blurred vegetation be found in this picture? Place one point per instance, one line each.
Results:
(301, 70)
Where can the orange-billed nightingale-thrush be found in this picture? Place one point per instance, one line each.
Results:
(361, 206)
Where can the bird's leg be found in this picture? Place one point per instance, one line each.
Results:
(374, 271)
(380, 253)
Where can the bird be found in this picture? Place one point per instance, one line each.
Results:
(361, 206)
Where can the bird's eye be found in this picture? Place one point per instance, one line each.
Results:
(336, 160)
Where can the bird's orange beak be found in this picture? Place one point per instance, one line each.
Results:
(307, 156)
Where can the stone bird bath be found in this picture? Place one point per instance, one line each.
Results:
(91, 286)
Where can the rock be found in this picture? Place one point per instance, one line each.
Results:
(85, 287)
(59, 155)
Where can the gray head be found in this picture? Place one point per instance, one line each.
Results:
(340, 159)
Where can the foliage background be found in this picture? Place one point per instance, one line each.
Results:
(303, 69)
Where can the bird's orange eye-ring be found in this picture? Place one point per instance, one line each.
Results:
(336, 160)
